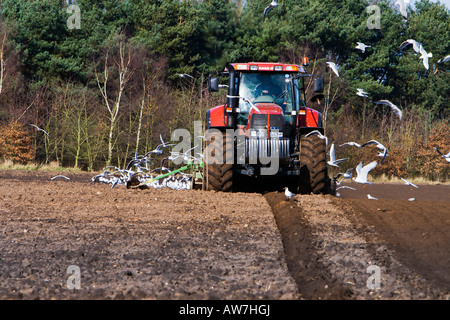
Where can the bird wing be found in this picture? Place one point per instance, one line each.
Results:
(266, 10)
(365, 170)
(332, 153)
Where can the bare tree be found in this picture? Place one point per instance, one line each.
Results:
(122, 63)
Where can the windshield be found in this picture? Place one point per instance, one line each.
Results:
(267, 88)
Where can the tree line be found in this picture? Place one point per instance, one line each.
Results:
(109, 88)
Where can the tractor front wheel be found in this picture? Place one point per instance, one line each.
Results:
(218, 164)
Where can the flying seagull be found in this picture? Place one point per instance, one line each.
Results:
(320, 135)
(38, 129)
(273, 4)
(425, 56)
(408, 183)
(361, 46)
(59, 176)
(383, 150)
(362, 93)
(333, 162)
(183, 75)
(371, 198)
(402, 4)
(445, 156)
(245, 99)
(347, 175)
(416, 45)
(446, 59)
(333, 67)
(362, 172)
(351, 143)
(394, 108)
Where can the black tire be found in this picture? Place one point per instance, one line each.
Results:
(313, 171)
(218, 166)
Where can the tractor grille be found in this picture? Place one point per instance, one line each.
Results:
(260, 148)
(259, 121)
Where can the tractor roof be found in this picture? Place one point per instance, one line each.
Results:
(268, 66)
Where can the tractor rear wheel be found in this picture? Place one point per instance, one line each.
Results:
(313, 171)
(218, 164)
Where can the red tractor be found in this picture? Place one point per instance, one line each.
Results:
(265, 129)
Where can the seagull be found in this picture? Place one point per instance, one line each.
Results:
(347, 175)
(362, 172)
(412, 199)
(445, 156)
(246, 100)
(158, 150)
(425, 56)
(273, 4)
(320, 135)
(59, 176)
(394, 108)
(351, 143)
(408, 183)
(402, 4)
(333, 67)
(183, 75)
(362, 93)
(287, 193)
(346, 187)
(371, 198)
(416, 45)
(446, 59)
(333, 162)
(38, 129)
(383, 150)
(361, 46)
(343, 187)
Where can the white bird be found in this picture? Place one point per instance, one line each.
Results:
(333, 67)
(383, 150)
(362, 172)
(59, 176)
(38, 129)
(351, 143)
(273, 4)
(362, 93)
(416, 45)
(446, 59)
(183, 75)
(425, 56)
(371, 198)
(345, 187)
(402, 7)
(288, 193)
(445, 156)
(245, 100)
(394, 108)
(412, 199)
(333, 162)
(361, 46)
(347, 175)
(159, 149)
(408, 183)
(320, 135)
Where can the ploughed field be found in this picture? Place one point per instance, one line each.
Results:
(63, 239)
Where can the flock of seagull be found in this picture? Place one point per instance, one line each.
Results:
(362, 172)
(140, 169)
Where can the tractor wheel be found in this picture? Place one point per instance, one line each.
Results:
(217, 165)
(313, 171)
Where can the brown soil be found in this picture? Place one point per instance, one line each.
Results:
(192, 244)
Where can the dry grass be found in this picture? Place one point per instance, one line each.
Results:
(52, 166)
